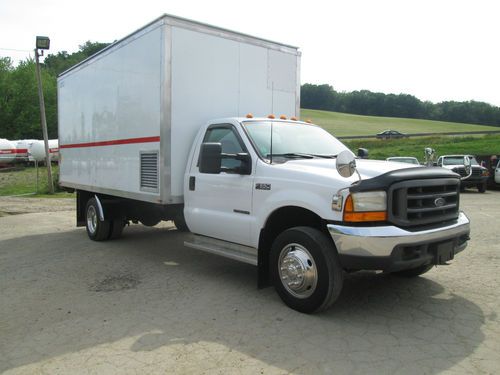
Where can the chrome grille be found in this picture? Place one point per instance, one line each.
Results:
(149, 171)
(421, 202)
(476, 172)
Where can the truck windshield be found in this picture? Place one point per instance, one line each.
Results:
(292, 140)
(457, 160)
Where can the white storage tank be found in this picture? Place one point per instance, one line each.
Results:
(36, 151)
(7, 151)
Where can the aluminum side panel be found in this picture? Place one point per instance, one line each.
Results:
(113, 98)
(205, 76)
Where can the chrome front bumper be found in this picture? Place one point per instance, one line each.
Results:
(381, 241)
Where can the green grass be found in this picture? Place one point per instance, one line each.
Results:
(381, 149)
(24, 182)
(343, 124)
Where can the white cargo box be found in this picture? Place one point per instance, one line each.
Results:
(129, 114)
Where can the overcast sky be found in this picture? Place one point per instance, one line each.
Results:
(434, 49)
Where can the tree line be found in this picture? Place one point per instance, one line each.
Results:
(365, 102)
(20, 113)
(19, 106)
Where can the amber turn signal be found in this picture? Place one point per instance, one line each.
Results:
(358, 217)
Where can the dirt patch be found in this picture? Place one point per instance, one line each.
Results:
(115, 283)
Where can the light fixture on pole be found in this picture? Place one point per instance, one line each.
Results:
(43, 43)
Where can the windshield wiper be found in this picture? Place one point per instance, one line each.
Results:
(324, 156)
(293, 155)
(304, 155)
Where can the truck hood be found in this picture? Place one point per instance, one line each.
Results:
(327, 167)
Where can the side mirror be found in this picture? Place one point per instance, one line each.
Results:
(210, 158)
(468, 168)
(346, 164)
(246, 162)
(429, 156)
(362, 153)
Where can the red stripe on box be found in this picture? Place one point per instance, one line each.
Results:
(113, 142)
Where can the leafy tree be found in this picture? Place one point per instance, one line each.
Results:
(365, 102)
(19, 105)
(62, 61)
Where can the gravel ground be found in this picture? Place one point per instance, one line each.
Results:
(24, 205)
(145, 304)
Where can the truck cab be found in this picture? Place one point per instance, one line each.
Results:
(478, 178)
(271, 193)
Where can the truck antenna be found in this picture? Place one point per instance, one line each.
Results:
(272, 97)
(271, 148)
(272, 111)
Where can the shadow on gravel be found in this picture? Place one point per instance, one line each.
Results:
(61, 293)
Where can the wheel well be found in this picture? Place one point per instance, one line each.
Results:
(279, 221)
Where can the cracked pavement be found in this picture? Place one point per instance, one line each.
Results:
(144, 304)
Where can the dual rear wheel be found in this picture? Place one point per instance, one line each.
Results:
(101, 230)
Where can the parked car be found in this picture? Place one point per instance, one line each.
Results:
(391, 134)
(404, 159)
(497, 173)
(478, 177)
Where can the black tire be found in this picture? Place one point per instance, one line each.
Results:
(116, 229)
(97, 230)
(414, 272)
(180, 223)
(481, 187)
(329, 274)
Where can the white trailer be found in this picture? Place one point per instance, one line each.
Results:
(149, 93)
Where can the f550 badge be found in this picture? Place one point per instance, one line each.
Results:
(260, 186)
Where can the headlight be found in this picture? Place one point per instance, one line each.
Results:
(367, 206)
(369, 201)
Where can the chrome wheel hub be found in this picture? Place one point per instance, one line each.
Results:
(297, 270)
(91, 219)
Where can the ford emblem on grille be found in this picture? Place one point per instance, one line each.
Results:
(439, 202)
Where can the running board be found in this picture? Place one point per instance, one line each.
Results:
(226, 249)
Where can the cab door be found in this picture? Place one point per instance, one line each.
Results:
(219, 205)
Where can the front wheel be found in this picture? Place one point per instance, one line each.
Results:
(306, 270)
(481, 187)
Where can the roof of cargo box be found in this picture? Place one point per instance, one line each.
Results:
(197, 26)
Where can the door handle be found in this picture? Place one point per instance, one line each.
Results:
(192, 183)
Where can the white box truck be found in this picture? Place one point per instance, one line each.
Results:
(155, 127)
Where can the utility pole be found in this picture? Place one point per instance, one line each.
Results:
(43, 43)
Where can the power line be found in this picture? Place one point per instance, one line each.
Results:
(17, 50)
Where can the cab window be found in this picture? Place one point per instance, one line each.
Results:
(231, 144)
